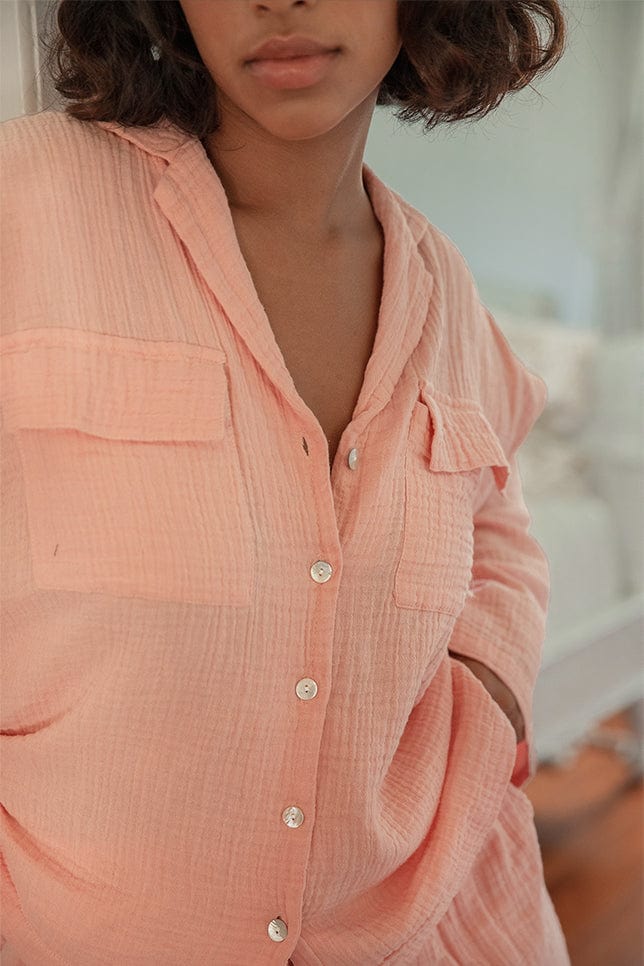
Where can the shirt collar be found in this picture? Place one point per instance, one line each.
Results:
(191, 195)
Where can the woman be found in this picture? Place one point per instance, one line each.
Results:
(272, 613)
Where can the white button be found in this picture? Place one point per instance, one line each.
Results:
(321, 571)
(352, 459)
(293, 816)
(306, 689)
(277, 930)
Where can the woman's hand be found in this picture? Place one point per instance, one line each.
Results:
(501, 694)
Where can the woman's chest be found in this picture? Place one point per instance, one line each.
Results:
(326, 351)
(165, 470)
(324, 316)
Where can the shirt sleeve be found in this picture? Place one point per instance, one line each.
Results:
(503, 621)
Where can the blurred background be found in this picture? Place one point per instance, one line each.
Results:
(544, 198)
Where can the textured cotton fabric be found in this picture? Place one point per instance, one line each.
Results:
(232, 730)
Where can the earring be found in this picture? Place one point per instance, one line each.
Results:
(155, 51)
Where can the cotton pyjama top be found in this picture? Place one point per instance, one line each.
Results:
(233, 731)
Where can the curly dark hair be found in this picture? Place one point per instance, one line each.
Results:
(134, 61)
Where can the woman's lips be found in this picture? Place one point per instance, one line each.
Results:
(293, 72)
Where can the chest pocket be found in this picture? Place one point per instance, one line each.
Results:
(132, 479)
(450, 442)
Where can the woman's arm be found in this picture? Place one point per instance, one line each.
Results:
(502, 624)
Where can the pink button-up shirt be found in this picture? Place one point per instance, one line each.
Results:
(232, 732)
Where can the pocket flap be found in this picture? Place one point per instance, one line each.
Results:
(461, 436)
(111, 386)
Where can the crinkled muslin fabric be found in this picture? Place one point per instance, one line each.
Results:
(233, 730)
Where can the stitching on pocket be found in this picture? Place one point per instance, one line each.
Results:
(118, 514)
(434, 568)
(449, 444)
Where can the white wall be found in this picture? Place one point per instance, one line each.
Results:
(524, 192)
(20, 89)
